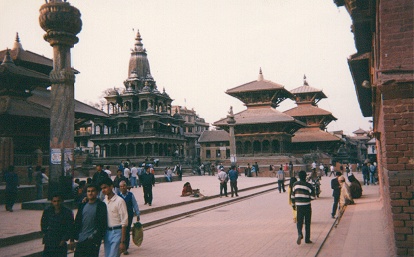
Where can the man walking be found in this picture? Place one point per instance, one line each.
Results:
(365, 173)
(148, 181)
(132, 208)
(332, 170)
(223, 178)
(233, 175)
(115, 236)
(336, 193)
(12, 183)
(302, 194)
(98, 177)
(281, 180)
(90, 224)
(134, 176)
(256, 167)
(372, 170)
(56, 225)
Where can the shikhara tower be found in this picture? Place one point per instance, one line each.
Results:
(141, 122)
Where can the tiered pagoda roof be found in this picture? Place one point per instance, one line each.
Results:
(260, 92)
(307, 111)
(261, 98)
(24, 77)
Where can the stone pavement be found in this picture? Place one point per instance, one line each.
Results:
(261, 225)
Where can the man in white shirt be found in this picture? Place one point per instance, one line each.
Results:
(115, 237)
(134, 176)
(108, 171)
(222, 176)
(332, 170)
(127, 171)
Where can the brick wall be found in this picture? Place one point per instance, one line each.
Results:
(394, 119)
(397, 176)
(396, 34)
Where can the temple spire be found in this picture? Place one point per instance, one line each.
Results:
(260, 78)
(17, 45)
(305, 83)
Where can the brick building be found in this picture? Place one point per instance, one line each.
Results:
(383, 73)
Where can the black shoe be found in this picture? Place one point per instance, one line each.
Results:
(309, 242)
(333, 217)
(149, 204)
(299, 239)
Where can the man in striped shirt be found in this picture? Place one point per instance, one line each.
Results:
(302, 194)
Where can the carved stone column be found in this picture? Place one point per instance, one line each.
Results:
(62, 23)
(231, 121)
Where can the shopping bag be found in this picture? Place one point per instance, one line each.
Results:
(137, 233)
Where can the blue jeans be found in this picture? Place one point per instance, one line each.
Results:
(372, 177)
(111, 242)
(133, 181)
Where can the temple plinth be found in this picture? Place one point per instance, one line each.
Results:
(62, 23)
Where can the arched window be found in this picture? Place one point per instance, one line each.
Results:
(265, 146)
(122, 150)
(257, 147)
(247, 147)
(275, 146)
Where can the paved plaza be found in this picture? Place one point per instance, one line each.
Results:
(257, 223)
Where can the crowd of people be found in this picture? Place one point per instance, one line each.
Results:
(301, 193)
(107, 207)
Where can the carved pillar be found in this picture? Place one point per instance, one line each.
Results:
(231, 121)
(62, 23)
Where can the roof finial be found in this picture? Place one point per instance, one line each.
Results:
(305, 83)
(17, 45)
(260, 78)
(7, 57)
(138, 42)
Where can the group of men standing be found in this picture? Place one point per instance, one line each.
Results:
(224, 177)
(110, 219)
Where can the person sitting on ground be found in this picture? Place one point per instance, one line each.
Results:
(189, 191)
(355, 187)
(345, 197)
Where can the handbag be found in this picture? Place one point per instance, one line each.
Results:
(137, 234)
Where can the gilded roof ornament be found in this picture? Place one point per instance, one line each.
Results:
(138, 43)
(260, 78)
(305, 83)
(7, 57)
(17, 45)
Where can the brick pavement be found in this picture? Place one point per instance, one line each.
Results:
(260, 226)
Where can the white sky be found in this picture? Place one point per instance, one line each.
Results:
(198, 49)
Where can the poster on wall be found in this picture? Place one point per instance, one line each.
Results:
(55, 156)
(68, 161)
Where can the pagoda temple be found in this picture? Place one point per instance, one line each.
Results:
(25, 108)
(141, 123)
(261, 130)
(313, 136)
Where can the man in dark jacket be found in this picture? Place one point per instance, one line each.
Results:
(336, 193)
(148, 181)
(12, 183)
(98, 177)
(90, 224)
(56, 225)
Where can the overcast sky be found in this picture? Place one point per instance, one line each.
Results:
(198, 49)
